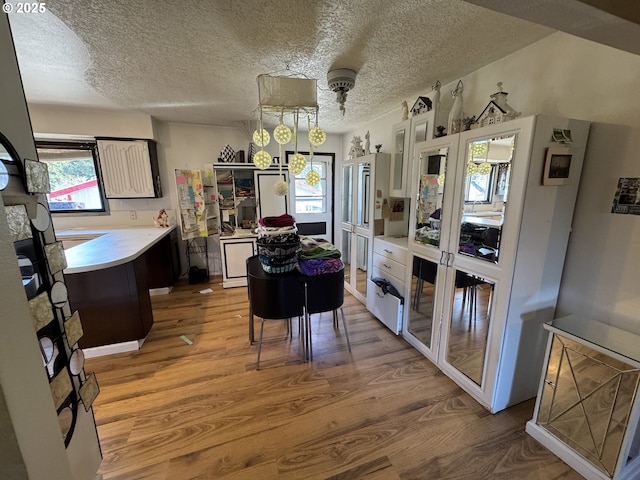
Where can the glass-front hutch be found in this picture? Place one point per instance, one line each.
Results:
(486, 248)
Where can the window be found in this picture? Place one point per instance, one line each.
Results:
(311, 199)
(478, 187)
(74, 176)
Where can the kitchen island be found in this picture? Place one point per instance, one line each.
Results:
(108, 278)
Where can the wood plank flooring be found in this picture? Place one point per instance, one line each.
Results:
(173, 411)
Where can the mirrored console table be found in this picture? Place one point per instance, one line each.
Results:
(587, 410)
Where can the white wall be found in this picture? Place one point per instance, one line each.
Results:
(571, 77)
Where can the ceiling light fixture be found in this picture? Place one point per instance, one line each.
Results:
(293, 94)
(340, 82)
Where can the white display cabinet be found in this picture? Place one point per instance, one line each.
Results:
(362, 178)
(487, 242)
(243, 194)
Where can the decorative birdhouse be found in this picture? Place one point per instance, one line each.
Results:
(498, 110)
(423, 104)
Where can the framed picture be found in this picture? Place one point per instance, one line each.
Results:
(557, 166)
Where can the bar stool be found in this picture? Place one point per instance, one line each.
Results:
(324, 293)
(273, 297)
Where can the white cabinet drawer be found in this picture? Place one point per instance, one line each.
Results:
(385, 307)
(389, 250)
(388, 266)
(395, 281)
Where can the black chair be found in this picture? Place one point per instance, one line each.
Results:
(272, 297)
(324, 293)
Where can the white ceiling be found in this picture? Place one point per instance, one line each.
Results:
(196, 61)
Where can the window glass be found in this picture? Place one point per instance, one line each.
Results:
(74, 177)
(311, 198)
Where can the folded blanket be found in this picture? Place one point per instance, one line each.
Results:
(318, 266)
(318, 248)
(284, 220)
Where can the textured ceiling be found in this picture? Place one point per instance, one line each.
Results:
(197, 61)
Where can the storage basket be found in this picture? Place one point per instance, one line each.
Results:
(278, 257)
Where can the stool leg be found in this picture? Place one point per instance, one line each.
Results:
(344, 325)
(260, 343)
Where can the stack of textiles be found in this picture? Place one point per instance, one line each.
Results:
(278, 243)
(319, 256)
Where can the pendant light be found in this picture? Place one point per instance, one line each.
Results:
(261, 137)
(282, 135)
(313, 177)
(297, 162)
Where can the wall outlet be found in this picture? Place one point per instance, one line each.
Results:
(133, 215)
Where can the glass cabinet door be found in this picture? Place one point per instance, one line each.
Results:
(398, 171)
(432, 165)
(347, 193)
(363, 189)
(469, 322)
(421, 319)
(487, 172)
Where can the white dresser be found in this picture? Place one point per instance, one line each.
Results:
(390, 264)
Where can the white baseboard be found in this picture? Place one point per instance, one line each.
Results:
(160, 291)
(103, 350)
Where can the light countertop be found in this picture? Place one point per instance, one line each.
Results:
(114, 246)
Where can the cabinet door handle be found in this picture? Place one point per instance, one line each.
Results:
(442, 254)
(381, 296)
(388, 251)
(449, 259)
(386, 266)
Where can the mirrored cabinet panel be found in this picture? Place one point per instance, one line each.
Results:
(432, 166)
(400, 159)
(421, 314)
(364, 194)
(486, 186)
(469, 324)
(347, 193)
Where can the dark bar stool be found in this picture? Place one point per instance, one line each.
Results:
(273, 297)
(324, 293)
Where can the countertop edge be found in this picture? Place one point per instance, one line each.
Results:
(106, 237)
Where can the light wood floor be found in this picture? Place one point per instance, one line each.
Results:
(173, 411)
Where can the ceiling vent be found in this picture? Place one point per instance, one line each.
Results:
(341, 81)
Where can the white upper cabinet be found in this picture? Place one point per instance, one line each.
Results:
(400, 159)
(129, 168)
(406, 134)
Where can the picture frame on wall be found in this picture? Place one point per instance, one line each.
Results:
(557, 166)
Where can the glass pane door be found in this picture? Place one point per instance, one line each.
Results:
(398, 158)
(364, 194)
(432, 165)
(362, 264)
(347, 193)
(420, 320)
(486, 187)
(469, 323)
(346, 254)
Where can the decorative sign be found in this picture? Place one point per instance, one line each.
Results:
(627, 197)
